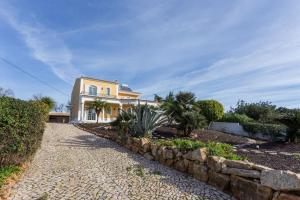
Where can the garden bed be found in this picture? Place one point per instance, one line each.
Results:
(245, 147)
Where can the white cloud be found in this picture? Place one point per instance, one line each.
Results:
(45, 44)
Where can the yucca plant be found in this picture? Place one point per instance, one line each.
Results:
(146, 120)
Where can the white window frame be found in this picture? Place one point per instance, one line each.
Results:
(108, 91)
(91, 115)
(93, 90)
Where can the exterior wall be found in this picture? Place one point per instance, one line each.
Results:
(101, 87)
(236, 129)
(75, 100)
(123, 95)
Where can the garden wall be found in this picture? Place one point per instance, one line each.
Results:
(236, 129)
(241, 179)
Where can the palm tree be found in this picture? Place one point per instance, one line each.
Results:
(98, 105)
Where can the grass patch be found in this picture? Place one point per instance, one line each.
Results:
(156, 173)
(182, 144)
(6, 172)
(43, 197)
(214, 148)
(139, 170)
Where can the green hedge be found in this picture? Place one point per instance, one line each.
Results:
(273, 130)
(21, 129)
(237, 118)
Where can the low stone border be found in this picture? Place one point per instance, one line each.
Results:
(243, 180)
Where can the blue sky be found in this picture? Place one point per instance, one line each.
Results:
(224, 50)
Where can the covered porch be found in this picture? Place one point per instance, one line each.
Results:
(106, 115)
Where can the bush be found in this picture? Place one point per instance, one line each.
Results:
(6, 172)
(223, 150)
(21, 128)
(273, 130)
(237, 118)
(214, 148)
(211, 109)
(182, 144)
(261, 111)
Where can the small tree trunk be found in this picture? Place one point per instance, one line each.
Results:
(98, 114)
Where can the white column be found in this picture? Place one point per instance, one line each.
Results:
(103, 110)
(82, 111)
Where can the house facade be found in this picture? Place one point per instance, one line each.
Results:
(118, 96)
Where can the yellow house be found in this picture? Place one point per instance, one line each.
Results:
(118, 96)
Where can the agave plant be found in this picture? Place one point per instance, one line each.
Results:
(146, 120)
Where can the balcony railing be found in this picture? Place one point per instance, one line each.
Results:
(98, 95)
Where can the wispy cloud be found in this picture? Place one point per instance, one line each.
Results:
(45, 44)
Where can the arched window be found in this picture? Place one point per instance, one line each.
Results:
(92, 90)
(108, 91)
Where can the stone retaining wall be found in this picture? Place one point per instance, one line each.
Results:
(241, 179)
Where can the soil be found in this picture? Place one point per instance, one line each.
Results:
(279, 161)
(206, 136)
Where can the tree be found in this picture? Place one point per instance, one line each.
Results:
(211, 109)
(291, 118)
(182, 111)
(6, 92)
(191, 120)
(157, 98)
(46, 100)
(262, 111)
(98, 105)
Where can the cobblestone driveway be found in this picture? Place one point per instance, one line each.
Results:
(74, 164)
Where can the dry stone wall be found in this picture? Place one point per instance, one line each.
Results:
(241, 179)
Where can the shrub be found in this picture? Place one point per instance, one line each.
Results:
(273, 130)
(141, 122)
(21, 129)
(183, 112)
(237, 118)
(6, 172)
(214, 148)
(223, 150)
(182, 144)
(261, 111)
(291, 118)
(211, 109)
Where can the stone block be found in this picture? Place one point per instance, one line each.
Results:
(179, 165)
(285, 196)
(199, 154)
(241, 172)
(280, 180)
(200, 172)
(238, 164)
(148, 156)
(245, 189)
(215, 163)
(218, 180)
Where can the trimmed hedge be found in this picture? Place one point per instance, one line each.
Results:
(273, 130)
(237, 118)
(21, 129)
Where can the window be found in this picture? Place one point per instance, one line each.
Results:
(91, 114)
(108, 91)
(93, 90)
(108, 110)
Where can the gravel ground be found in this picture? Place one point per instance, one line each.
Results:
(74, 164)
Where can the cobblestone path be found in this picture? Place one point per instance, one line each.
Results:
(74, 164)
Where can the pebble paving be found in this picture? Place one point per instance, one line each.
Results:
(74, 164)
